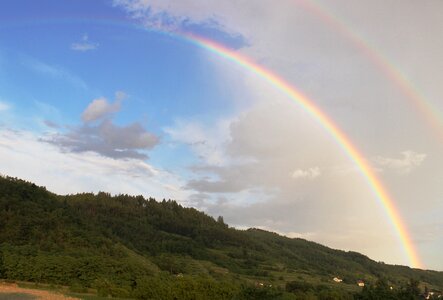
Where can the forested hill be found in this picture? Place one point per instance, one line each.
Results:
(135, 247)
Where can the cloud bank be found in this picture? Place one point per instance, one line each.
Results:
(25, 155)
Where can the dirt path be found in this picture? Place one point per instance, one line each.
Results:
(36, 294)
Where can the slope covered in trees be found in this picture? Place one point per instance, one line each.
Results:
(130, 246)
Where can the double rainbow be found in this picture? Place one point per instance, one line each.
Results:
(309, 106)
(339, 136)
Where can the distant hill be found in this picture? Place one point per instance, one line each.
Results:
(130, 246)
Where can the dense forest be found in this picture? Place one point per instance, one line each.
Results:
(132, 247)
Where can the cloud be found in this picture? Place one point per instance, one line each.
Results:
(100, 108)
(156, 15)
(4, 106)
(105, 137)
(206, 186)
(310, 173)
(108, 140)
(53, 71)
(51, 124)
(258, 152)
(260, 187)
(404, 165)
(24, 154)
(205, 141)
(84, 45)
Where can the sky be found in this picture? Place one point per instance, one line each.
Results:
(108, 95)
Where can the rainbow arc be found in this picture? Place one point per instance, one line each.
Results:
(339, 136)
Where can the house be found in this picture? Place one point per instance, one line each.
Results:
(432, 294)
(360, 283)
(429, 295)
(337, 279)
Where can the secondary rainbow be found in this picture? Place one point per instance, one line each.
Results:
(427, 109)
(308, 105)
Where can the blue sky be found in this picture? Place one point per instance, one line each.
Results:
(95, 95)
(165, 77)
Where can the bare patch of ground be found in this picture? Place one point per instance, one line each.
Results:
(13, 291)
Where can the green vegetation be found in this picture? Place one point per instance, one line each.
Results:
(131, 247)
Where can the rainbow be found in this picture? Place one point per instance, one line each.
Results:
(427, 109)
(345, 143)
(309, 106)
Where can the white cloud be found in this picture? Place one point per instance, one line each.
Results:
(207, 142)
(23, 154)
(166, 14)
(84, 45)
(404, 165)
(310, 173)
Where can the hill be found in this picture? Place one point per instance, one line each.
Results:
(130, 246)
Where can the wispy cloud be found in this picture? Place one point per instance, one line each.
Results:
(206, 143)
(84, 45)
(53, 71)
(4, 106)
(409, 161)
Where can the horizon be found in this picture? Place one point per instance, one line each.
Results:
(120, 96)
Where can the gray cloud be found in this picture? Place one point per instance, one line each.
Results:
(222, 186)
(108, 139)
(51, 124)
(100, 108)
(104, 137)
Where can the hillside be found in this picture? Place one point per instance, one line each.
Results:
(130, 246)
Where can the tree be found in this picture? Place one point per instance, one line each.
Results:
(2, 265)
